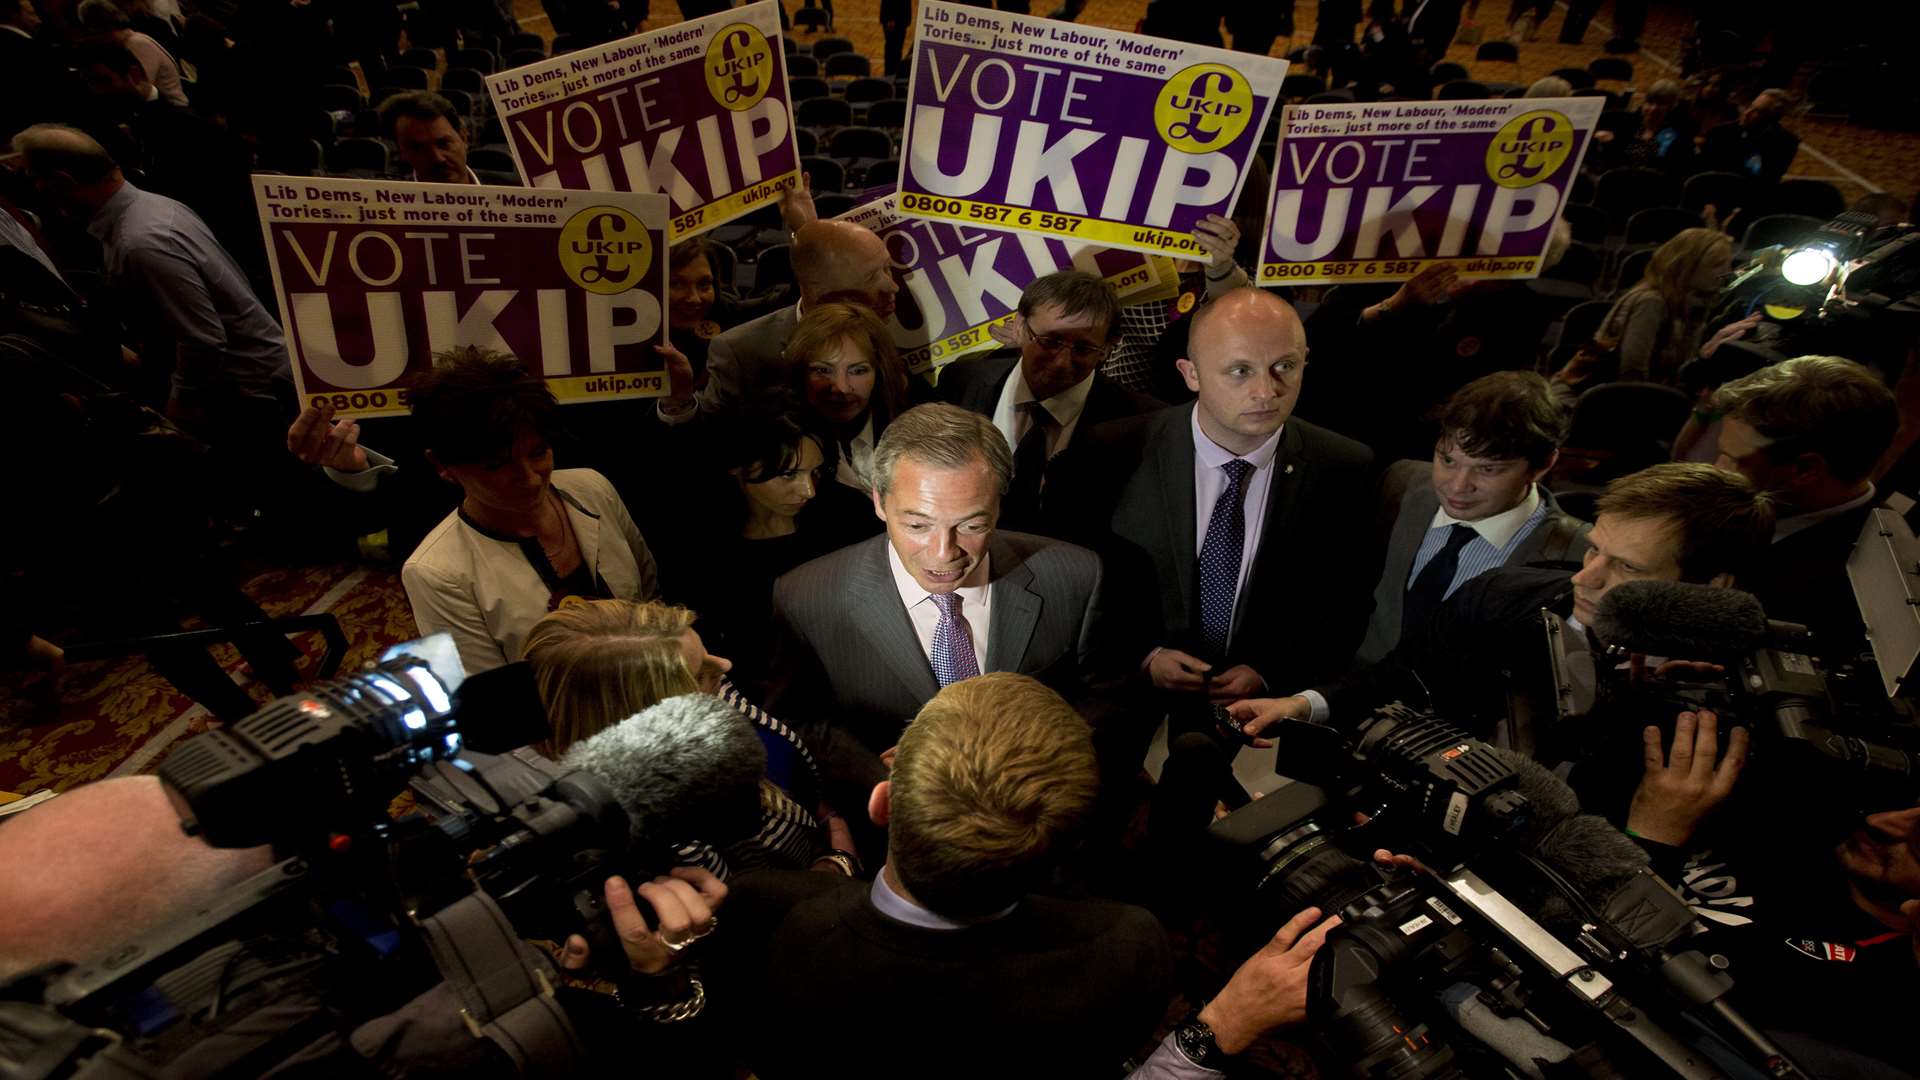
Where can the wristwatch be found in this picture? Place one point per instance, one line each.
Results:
(1195, 1041)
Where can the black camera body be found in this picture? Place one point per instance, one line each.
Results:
(315, 774)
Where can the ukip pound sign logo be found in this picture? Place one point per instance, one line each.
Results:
(1530, 148)
(605, 250)
(739, 67)
(1203, 108)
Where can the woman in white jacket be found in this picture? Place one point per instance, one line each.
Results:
(527, 538)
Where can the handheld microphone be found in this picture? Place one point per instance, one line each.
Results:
(1687, 622)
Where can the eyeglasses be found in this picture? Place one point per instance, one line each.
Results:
(1054, 343)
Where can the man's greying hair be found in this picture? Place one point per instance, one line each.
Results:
(945, 437)
(1724, 524)
(1075, 293)
(418, 105)
(1508, 414)
(1823, 405)
(991, 780)
(101, 16)
(57, 148)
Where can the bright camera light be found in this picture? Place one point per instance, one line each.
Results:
(1808, 265)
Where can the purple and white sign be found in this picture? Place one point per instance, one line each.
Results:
(1075, 131)
(376, 276)
(1375, 192)
(697, 111)
(959, 281)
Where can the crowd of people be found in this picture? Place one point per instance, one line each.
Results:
(937, 683)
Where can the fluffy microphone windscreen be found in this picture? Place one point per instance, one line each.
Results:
(687, 767)
(1680, 621)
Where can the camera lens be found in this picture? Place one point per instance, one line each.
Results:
(1305, 868)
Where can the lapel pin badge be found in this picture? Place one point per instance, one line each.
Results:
(1289, 470)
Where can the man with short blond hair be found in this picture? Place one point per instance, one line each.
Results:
(947, 957)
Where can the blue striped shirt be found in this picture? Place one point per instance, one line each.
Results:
(1480, 555)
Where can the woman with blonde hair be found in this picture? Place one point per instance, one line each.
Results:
(849, 382)
(598, 662)
(1655, 326)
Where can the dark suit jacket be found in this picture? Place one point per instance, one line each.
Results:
(1804, 579)
(1484, 644)
(743, 364)
(1407, 505)
(1055, 988)
(975, 384)
(847, 663)
(1129, 490)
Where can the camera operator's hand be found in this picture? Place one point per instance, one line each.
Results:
(1270, 989)
(1171, 669)
(685, 902)
(1680, 788)
(316, 438)
(1256, 715)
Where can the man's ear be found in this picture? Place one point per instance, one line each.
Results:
(1552, 460)
(1186, 372)
(1720, 581)
(1810, 465)
(880, 803)
(879, 511)
(433, 459)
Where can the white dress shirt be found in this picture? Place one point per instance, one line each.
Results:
(976, 605)
(1065, 408)
(1210, 481)
(857, 472)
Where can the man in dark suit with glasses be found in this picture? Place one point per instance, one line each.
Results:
(1048, 389)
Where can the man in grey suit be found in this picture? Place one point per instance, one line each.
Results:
(1477, 505)
(1040, 394)
(831, 260)
(867, 635)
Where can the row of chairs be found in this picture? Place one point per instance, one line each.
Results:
(1620, 193)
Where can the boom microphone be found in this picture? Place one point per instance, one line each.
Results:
(1681, 621)
(1612, 874)
(687, 767)
(1550, 802)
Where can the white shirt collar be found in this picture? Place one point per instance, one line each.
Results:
(900, 909)
(912, 593)
(1498, 530)
(1787, 526)
(1065, 407)
(1213, 456)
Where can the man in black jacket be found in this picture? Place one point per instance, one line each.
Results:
(1809, 432)
(1042, 394)
(946, 960)
(1240, 534)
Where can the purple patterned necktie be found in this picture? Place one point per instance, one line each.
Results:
(1220, 555)
(953, 658)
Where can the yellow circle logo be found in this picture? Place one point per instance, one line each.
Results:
(1203, 108)
(1530, 148)
(739, 67)
(605, 250)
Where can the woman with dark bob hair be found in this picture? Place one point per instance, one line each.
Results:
(526, 537)
(770, 508)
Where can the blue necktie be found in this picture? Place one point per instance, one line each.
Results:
(953, 658)
(1220, 556)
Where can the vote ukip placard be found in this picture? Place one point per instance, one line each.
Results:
(1374, 192)
(697, 110)
(1075, 131)
(959, 281)
(375, 277)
